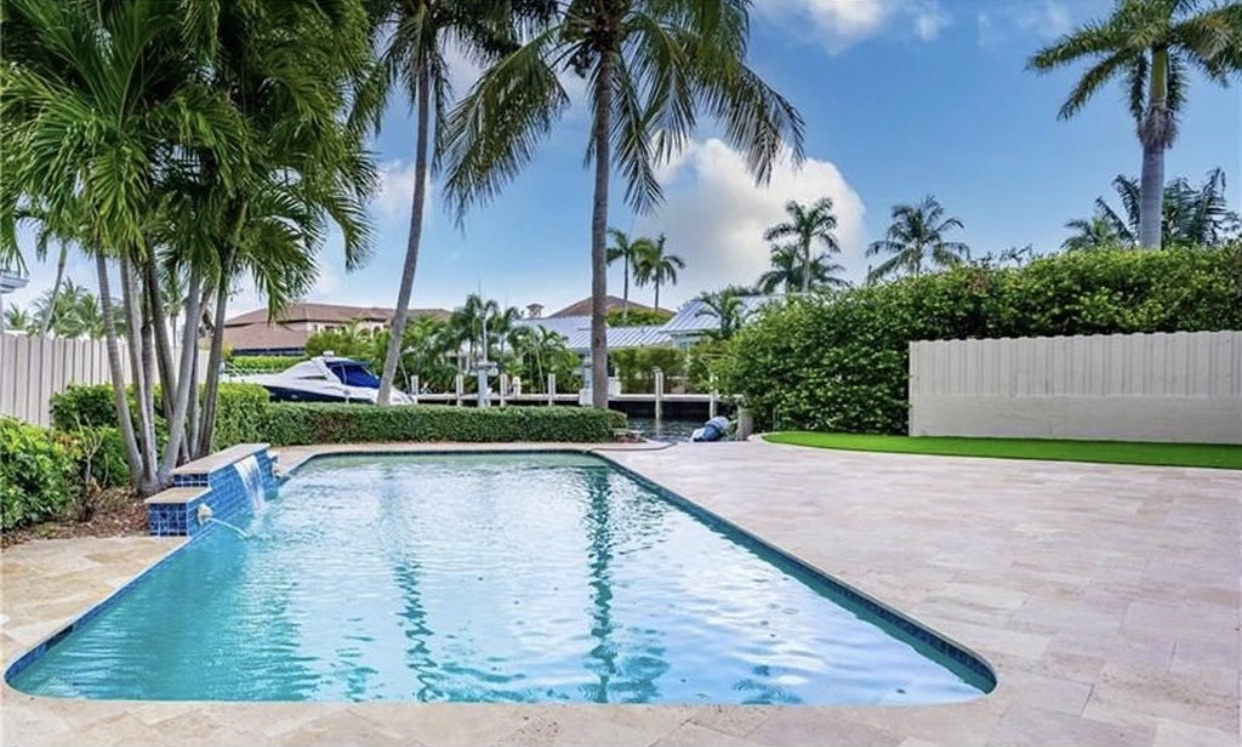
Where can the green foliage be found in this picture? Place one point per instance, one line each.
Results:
(638, 317)
(35, 472)
(348, 342)
(840, 363)
(99, 457)
(636, 366)
(83, 406)
(703, 361)
(242, 414)
(292, 424)
(262, 363)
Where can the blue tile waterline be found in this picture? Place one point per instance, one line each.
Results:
(640, 670)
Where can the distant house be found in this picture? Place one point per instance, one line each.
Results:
(253, 333)
(583, 307)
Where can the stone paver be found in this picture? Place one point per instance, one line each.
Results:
(1106, 597)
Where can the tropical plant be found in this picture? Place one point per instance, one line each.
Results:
(656, 267)
(630, 253)
(788, 270)
(727, 308)
(916, 238)
(1151, 45)
(638, 318)
(412, 36)
(540, 352)
(19, 320)
(650, 66)
(1192, 216)
(1096, 232)
(807, 227)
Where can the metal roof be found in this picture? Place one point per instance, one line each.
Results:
(692, 318)
(577, 332)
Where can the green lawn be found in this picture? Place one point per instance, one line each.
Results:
(1219, 456)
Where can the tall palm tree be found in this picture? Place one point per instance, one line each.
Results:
(787, 272)
(1151, 45)
(1192, 216)
(807, 227)
(629, 252)
(916, 238)
(655, 267)
(412, 36)
(1096, 232)
(650, 67)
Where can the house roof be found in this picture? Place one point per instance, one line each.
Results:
(329, 313)
(583, 307)
(264, 337)
(693, 319)
(577, 333)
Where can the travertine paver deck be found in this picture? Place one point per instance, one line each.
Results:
(1106, 597)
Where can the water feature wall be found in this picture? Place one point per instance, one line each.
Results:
(228, 482)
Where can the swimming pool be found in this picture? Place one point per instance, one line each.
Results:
(493, 578)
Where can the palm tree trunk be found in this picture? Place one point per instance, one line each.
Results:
(599, 229)
(625, 293)
(400, 314)
(181, 400)
(61, 260)
(163, 349)
(192, 326)
(117, 369)
(214, 358)
(140, 362)
(657, 294)
(1155, 132)
(806, 268)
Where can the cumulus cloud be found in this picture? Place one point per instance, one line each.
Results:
(715, 215)
(839, 23)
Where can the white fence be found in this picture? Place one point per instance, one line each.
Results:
(1184, 386)
(32, 369)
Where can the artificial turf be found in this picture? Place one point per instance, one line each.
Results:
(1218, 456)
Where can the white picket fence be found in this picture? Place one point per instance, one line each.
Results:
(32, 369)
(1183, 386)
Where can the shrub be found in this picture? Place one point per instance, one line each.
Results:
(83, 406)
(99, 456)
(241, 414)
(841, 363)
(35, 473)
(636, 366)
(263, 363)
(638, 317)
(292, 424)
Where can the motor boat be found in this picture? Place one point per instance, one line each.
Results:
(324, 378)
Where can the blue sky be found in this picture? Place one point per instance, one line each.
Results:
(901, 98)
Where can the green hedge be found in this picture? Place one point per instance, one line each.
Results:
(83, 406)
(840, 363)
(262, 363)
(292, 424)
(241, 414)
(36, 469)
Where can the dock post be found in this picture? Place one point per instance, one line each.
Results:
(460, 382)
(504, 389)
(414, 387)
(551, 389)
(711, 401)
(659, 400)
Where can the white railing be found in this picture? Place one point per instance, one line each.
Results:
(1183, 386)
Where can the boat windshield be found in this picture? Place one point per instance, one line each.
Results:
(352, 373)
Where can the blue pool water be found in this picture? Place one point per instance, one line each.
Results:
(521, 578)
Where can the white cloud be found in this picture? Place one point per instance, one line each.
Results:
(839, 23)
(715, 215)
(1044, 19)
(396, 190)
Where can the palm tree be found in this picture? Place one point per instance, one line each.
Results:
(787, 272)
(1191, 216)
(1096, 232)
(650, 66)
(656, 268)
(412, 36)
(727, 308)
(1151, 45)
(917, 237)
(18, 320)
(807, 227)
(630, 252)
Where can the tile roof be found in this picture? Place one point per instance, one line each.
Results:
(583, 307)
(326, 312)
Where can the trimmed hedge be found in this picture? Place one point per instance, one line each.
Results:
(841, 363)
(241, 414)
(263, 363)
(36, 469)
(290, 424)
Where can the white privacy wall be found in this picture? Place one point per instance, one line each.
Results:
(1183, 386)
(32, 369)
